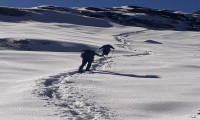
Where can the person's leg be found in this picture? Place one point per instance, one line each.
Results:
(82, 65)
(89, 65)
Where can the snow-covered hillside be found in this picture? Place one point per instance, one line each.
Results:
(151, 75)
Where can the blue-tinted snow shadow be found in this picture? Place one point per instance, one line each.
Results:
(127, 75)
(43, 45)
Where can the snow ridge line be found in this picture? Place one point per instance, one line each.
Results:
(60, 90)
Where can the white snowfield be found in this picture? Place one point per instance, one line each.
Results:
(151, 74)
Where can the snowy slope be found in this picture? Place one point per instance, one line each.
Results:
(154, 74)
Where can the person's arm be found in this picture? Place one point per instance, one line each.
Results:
(98, 54)
(101, 47)
(112, 47)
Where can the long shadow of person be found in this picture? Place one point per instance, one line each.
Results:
(128, 75)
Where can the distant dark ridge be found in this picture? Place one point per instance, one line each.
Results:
(13, 11)
(197, 12)
(45, 7)
(94, 9)
(164, 13)
(145, 17)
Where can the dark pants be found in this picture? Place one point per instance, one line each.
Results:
(84, 62)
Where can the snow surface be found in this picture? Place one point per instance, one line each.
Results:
(145, 80)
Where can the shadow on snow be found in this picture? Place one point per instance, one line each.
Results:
(127, 75)
(42, 45)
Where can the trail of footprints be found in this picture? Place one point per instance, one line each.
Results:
(60, 91)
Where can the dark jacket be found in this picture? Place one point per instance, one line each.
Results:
(106, 49)
(89, 54)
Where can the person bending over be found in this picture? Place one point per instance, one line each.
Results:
(87, 58)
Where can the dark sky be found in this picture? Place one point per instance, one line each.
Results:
(188, 6)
